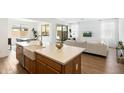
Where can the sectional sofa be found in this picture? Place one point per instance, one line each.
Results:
(90, 47)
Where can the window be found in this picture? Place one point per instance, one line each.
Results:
(45, 30)
(19, 31)
(74, 30)
(109, 32)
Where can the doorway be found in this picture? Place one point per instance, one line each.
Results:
(62, 32)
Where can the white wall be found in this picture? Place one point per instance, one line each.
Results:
(52, 22)
(3, 37)
(74, 30)
(121, 29)
(93, 26)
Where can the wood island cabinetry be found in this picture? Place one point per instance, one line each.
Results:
(45, 65)
(49, 59)
(20, 55)
(29, 65)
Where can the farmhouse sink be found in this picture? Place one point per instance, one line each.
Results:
(29, 51)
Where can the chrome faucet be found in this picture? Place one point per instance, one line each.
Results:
(40, 39)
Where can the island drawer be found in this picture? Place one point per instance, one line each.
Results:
(49, 62)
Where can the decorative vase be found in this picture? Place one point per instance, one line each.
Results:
(59, 45)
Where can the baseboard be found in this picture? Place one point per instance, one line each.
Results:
(94, 54)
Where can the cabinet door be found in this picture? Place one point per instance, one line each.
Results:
(33, 67)
(40, 67)
(50, 70)
(27, 64)
(68, 69)
(77, 65)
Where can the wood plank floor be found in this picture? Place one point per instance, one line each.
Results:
(91, 64)
(10, 65)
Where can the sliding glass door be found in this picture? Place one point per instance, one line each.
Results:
(62, 32)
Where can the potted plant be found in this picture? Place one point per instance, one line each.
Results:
(120, 45)
(121, 48)
(35, 33)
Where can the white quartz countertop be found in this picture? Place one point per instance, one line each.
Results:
(29, 48)
(61, 56)
(23, 44)
(29, 51)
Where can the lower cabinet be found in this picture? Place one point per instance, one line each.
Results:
(77, 65)
(29, 65)
(45, 65)
(40, 67)
(74, 66)
(19, 52)
(44, 69)
(51, 70)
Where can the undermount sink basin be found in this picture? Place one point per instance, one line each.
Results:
(29, 51)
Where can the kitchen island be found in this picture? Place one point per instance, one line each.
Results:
(51, 60)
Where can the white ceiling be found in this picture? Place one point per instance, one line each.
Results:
(22, 19)
(76, 20)
(66, 20)
(71, 20)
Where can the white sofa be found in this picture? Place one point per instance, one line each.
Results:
(90, 47)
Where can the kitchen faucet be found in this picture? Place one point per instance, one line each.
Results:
(40, 39)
